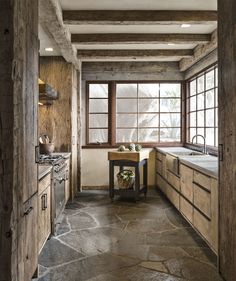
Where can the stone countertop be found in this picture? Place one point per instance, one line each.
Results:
(43, 170)
(65, 155)
(204, 163)
(174, 150)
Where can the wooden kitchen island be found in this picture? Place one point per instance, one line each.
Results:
(129, 159)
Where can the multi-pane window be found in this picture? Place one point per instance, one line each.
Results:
(203, 108)
(139, 112)
(148, 112)
(98, 113)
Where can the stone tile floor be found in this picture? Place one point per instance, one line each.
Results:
(125, 241)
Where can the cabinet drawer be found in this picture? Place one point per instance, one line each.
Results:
(173, 180)
(44, 216)
(161, 183)
(44, 183)
(202, 224)
(202, 200)
(186, 182)
(159, 156)
(173, 196)
(159, 166)
(29, 236)
(202, 180)
(186, 209)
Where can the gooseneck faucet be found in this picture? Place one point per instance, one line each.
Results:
(205, 149)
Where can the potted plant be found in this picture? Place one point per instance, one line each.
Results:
(125, 179)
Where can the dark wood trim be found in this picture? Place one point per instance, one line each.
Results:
(87, 113)
(113, 112)
(124, 17)
(213, 149)
(144, 145)
(183, 113)
(114, 38)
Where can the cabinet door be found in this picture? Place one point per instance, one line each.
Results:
(202, 224)
(186, 182)
(173, 180)
(202, 200)
(173, 196)
(30, 237)
(186, 209)
(44, 216)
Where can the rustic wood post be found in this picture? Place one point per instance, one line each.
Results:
(18, 137)
(227, 137)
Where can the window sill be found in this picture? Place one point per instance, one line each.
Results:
(148, 145)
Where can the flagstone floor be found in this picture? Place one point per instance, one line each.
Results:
(125, 241)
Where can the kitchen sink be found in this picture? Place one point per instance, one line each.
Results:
(188, 153)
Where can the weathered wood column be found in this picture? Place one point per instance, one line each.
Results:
(18, 138)
(227, 137)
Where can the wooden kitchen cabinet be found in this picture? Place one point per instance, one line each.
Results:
(202, 199)
(186, 209)
(186, 182)
(44, 210)
(194, 194)
(29, 238)
(161, 164)
(67, 182)
(173, 180)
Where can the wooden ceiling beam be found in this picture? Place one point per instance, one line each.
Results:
(124, 38)
(201, 51)
(134, 17)
(50, 18)
(133, 54)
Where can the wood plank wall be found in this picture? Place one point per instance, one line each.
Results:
(59, 120)
(18, 137)
(227, 136)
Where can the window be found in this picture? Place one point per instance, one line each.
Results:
(98, 113)
(202, 108)
(147, 113)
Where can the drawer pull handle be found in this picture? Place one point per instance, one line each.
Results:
(30, 209)
(44, 202)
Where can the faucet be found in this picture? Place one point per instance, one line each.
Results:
(204, 149)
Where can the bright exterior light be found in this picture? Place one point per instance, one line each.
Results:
(185, 25)
(49, 49)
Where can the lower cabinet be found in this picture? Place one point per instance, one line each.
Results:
(168, 190)
(202, 224)
(195, 195)
(44, 212)
(186, 209)
(29, 239)
(186, 182)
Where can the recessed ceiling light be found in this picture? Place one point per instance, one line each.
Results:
(171, 44)
(185, 25)
(40, 103)
(49, 49)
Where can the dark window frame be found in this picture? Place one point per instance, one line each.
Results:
(112, 114)
(212, 149)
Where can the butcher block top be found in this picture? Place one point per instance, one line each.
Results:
(135, 156)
